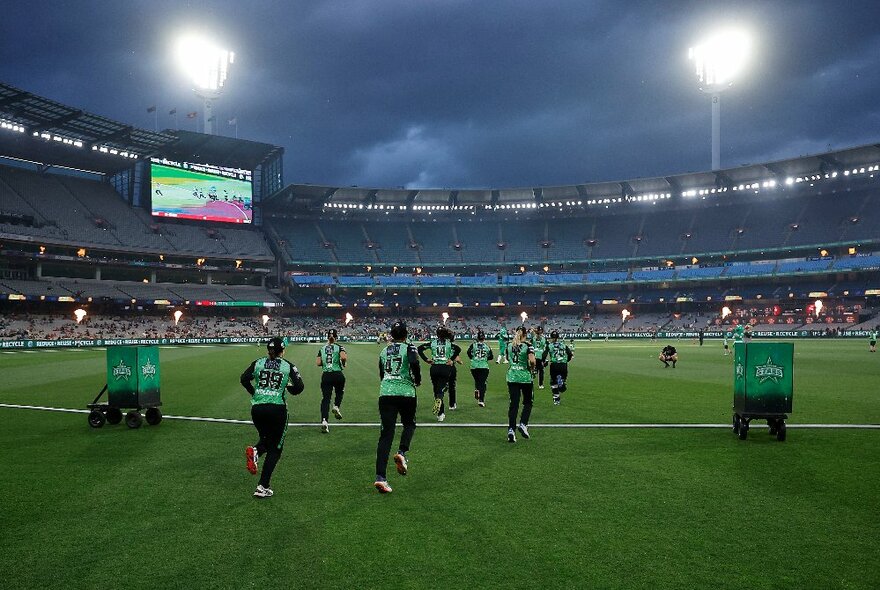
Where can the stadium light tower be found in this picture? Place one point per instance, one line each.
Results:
(207, 67)
(719, 60)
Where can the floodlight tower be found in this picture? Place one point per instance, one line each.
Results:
(719, 59)
(207, 67)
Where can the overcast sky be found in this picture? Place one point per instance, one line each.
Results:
(457, 93)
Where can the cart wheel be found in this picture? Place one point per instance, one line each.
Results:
(736, 424)
(134, 419)
(96, 419)
(114, 415)
(780, 432)
(773, 425)
(154, 416)
(743, 430)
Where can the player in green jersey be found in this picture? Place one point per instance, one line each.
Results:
(872, 341)
(503, 339)
(331, 359)
(399, 375)
(539, 343)
(559, 355)
(267, 379)
(443, 356)
(521, 357)
(738, 332)
(480, 355)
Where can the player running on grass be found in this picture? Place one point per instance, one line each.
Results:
(560, 355)
(539, 343)
(503, 338)
(331, 358)
(872, 341)
(727, 337)
(480, 354)
(267, 380)
(399, 375)
(443, 355)
(521, 356)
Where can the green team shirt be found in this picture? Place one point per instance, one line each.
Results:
(397, 377)
(480, 355)
(503, 336)
(873, 336)
(518, 357)
(270, 379)
(738, 334)
(441, 350)
(330, 357)
(540, 345)
(558, 352)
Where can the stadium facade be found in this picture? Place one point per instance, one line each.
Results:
(98, 213)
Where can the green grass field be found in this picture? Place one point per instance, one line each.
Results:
(170, 506)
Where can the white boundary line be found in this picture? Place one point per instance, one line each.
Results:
(466, 425)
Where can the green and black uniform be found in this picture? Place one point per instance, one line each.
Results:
(267, 380)
(519, 383)
(399, 375)
(480, 354)
(540, 345)
(872, 339)
(442, 350)
(503, 339)
(332, 377)
(727, 337)
(559, 355)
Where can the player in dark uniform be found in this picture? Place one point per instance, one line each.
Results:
(872, 340)
(443, 355)
(480, 354)
(559, 355)
(331, 359)
(399, 375)
(267, 379)
(667, 355)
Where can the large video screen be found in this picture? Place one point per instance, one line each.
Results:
(200, 191)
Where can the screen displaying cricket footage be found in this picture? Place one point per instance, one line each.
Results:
(200, 191)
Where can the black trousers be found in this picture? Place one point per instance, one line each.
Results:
(453, 378)
(271, 423)
(557, 369)
(330, 381)
(480, 378)
(540, 368)
(390, 407)
(517, 391)
(441, 376)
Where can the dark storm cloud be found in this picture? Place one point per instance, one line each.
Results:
(457, 94)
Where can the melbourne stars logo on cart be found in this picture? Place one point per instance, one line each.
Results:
(740, 371)
(769, 372)
(121, 371)
(148, 370)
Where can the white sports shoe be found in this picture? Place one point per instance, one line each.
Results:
(441, 417)
(481, 404)
(262, 492)
(453, 407)
(523, 429)
(540, 387)
(511, 435)
(337, 413)
(325, 428)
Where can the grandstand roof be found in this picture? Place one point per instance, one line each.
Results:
(52, 127)
(314, 196)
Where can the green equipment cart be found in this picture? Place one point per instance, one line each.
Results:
(133, 384)
(762, 385)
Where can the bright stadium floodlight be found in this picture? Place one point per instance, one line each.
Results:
(719, 60)
(207, 67)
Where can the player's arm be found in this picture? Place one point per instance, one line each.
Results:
(456, 350)
(491, 354)
(470, 352)
(421, 350)
(532, 361)
(569, 353)
(247, 378)
(295, 386)
(381, 368)
(343, 356)
(320, 360)
(414, 367)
